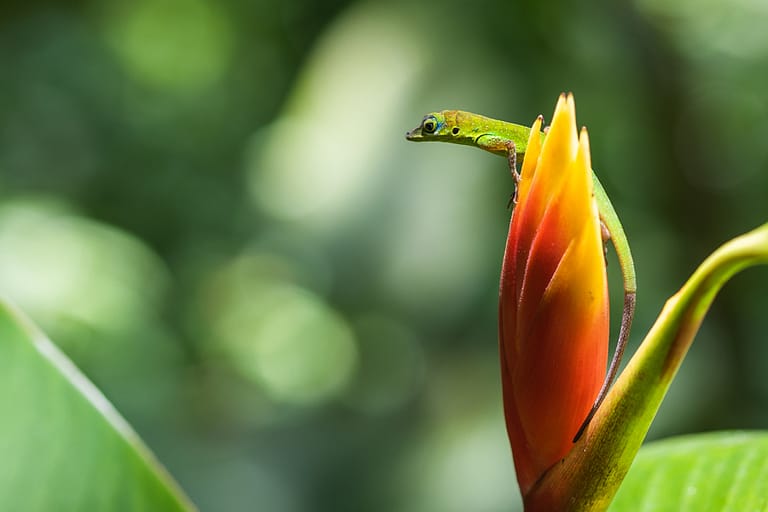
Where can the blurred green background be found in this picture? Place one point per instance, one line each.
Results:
(210, 206)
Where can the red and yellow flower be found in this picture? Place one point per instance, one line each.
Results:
(553, 308)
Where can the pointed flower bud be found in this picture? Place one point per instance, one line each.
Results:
(553, 307)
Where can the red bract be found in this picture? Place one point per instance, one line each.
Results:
(553, 305)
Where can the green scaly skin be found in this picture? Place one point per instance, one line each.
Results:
(511, 140)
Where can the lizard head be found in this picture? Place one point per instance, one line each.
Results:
(432, 127)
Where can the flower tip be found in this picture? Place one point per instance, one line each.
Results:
(536, 127)
(562, 102)
(584, 145)
(583, 135)
(571, 102)
(562, 131)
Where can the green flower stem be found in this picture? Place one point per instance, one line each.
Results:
(588, 478)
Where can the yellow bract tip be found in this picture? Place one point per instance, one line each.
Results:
(584, 149)
(531, 158)
(571, 104)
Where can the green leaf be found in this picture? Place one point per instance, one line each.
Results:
(63, 445)
(698, 473)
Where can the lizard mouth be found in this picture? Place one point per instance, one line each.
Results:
(414, 134)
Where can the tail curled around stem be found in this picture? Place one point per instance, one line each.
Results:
(626, 325)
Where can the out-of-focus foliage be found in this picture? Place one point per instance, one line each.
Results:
(211, 207)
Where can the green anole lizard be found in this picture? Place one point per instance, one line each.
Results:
(509, 140)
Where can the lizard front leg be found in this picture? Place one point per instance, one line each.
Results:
(501, 146)
(512, 161)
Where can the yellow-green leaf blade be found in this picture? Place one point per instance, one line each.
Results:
(63, 445)
(706, 472)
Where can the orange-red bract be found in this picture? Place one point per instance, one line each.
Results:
(553, 304)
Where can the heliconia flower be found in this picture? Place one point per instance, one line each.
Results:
(553, 304)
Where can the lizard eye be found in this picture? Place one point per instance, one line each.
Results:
(429, 125)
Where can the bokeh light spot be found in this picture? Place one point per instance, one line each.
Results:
(318, 163)
(710, 29)
(60, 267)
(280, 335)
(171, 44)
